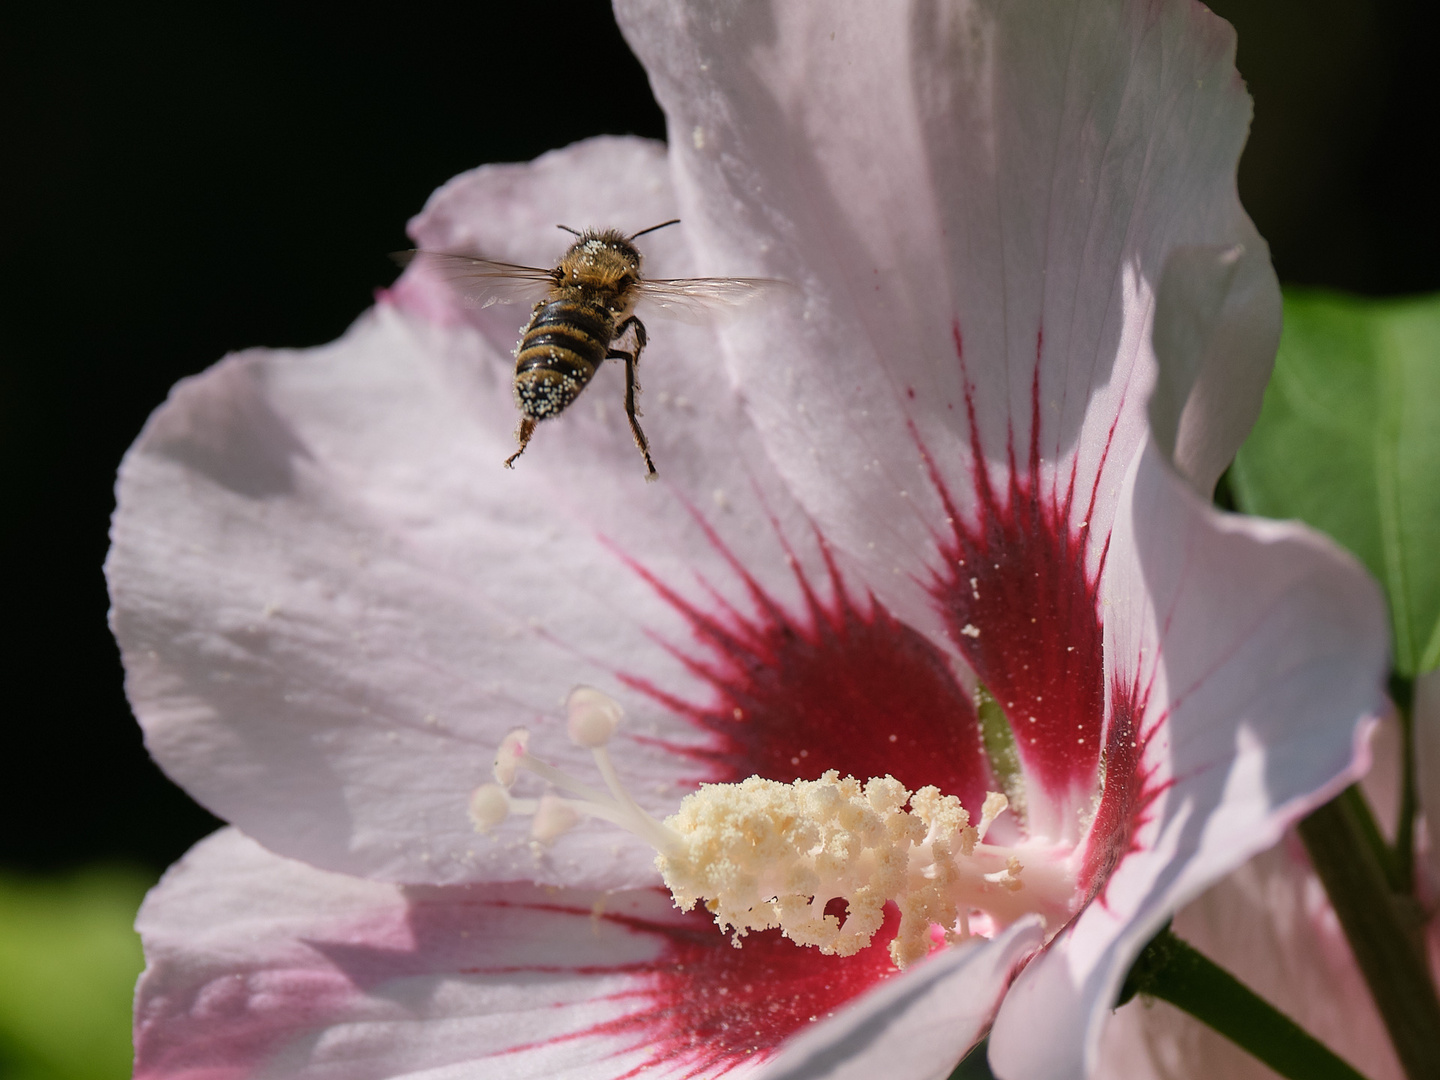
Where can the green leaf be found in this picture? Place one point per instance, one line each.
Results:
(1349, 441)
(69, 958)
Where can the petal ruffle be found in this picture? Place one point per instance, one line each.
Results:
(1217, 325)
(1247, 678)
(259, 965)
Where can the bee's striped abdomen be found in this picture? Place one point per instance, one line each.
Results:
(559, 352)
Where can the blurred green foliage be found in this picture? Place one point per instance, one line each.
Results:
(68, 963)
(1349, 441)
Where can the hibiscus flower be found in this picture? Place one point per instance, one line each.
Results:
(915, 521)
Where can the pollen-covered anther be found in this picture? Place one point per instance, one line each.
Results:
(591, 716)
(1009, 878)
(489, 806)
(550, 815)
(508, 756)
(553, 816)
(995, 804)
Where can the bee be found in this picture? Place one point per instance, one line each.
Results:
(585, 316)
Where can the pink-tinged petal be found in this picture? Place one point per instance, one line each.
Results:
(918, 1025)
(1427, 768)
(332, 601)
(1248, 660)
(261, 966)
(1153, 1040)
(1381, 784)
(977, 202)
(1270, 924)
(1217, 325)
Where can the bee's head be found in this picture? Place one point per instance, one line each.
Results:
(605, 247)
(605, 261)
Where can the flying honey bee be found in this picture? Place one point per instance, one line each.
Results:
(586, 310)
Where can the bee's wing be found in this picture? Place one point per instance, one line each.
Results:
(705, 299)
(483, 282)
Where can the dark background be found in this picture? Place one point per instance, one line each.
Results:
(180, 183)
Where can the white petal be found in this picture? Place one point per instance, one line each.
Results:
(978, 202)
(262, 966)
(1250, 655)
(332, 601)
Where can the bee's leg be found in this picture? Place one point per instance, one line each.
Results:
(527, 428)
(632, 386)
(641, 338)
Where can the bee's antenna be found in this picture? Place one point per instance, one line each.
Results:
(652, 228)
(567, 228)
